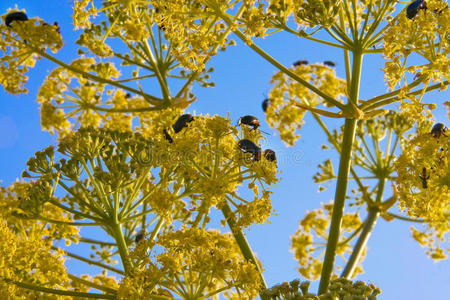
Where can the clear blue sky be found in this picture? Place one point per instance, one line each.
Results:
(394, 262)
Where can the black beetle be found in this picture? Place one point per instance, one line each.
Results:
(269, 154)
(167, 136)
(329, 63)
(424, 178)
(414, 7)
(300, 62)
(438, 130)
(182, 122)
(139, 236)
(15, 16)
(250, 121)
(265, 104)
(248, 146)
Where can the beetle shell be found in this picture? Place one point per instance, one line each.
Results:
(438, 130)
(269, 154)
(182, 122)
(139, 236)
(300, 62)
(250, 121)
(248, 146)
(15, 16)
(329, 63)
(265, 104)
(414, 7)
(167, 136)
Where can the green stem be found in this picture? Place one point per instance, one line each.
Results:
(243, 244)
(90, 241)
(57, 292)
(342, 181)
(154, 100)
(405, 218)
(121, 246)
(88, 261)
(92, 284)
(369, 224)
(278, 65)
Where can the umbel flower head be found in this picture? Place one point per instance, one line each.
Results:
(283, 114)
(17, 44)
(314, 226)
(423, 185)
(193, 263)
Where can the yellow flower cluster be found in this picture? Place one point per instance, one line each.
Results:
(21, 208)
(283, 114)
(16, 55)
(423, 185)
(317, 12)
(193, 28)
(339, 289)
(426, 35)
(68, 99)
(193, 263)
(126, 19)
(315, 226)
(26, 257)
(202, 164)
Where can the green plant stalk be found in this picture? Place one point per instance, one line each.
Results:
(342, 181)
(88, 261)
(154, 100)
(371, 220)
(243, 244)
(57, 292)
(92, 284)
(121, 246)
(360, 245)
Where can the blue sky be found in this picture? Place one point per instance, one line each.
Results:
(394, 262)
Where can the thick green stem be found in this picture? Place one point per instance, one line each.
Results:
(122, 247)
(243, 243)
(57, 292)
(339, 203)
(92, 284)
(342, 181)
(361, 243)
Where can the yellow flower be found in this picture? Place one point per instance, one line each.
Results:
(314, 226)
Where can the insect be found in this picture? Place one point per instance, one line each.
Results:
(139, 236)
(265, 104)
(248, 146)
(167, 136)
(300, 62)
(250, 121)
(269, 154)
(424, 178)
(15, 16)
(182, 122)
(414, 7)
(438, 130)
(329, 63)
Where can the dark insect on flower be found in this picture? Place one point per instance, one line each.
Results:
(250, 121)
(414, 7)
(265, 104)
(54, 24)
(248, 146)
(269, 154)
(139, 236)
(300, 62)
(15, 16)
(424, 178)
(329, 63)
(167, 136)
(438, 130)
(182, 122)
